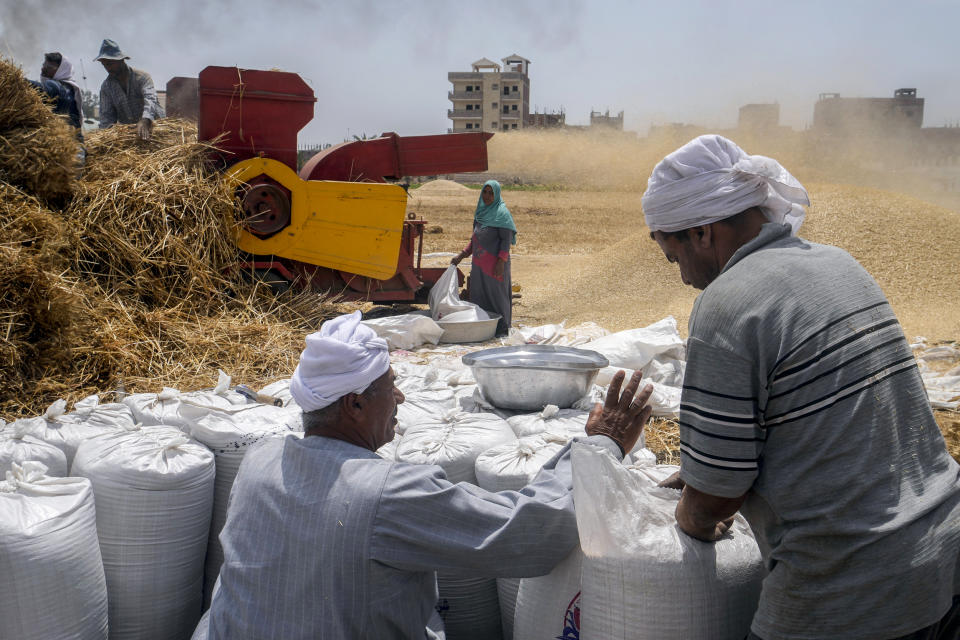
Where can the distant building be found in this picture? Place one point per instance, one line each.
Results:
(546, 120)
(759, 117)
(875, 116)
(490, 97)
(606, 121)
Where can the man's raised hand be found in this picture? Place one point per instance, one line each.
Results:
(622, 415)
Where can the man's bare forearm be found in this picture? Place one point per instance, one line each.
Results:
(706, 517)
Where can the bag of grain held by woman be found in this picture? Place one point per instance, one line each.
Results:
(643, 578)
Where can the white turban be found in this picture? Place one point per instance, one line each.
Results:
(65, 74)
(710, 178)
(345, 356)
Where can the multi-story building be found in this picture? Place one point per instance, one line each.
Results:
(490, 97)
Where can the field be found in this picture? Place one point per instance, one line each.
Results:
(584, 252)
(588, 255)
(121, 278)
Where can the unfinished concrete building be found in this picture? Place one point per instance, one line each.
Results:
(868, 116)
(490, 97)
(548, 120)
(604, 120)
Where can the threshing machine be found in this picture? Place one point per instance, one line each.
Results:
(338, 226)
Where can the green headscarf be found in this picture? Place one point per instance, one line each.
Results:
(496, 213)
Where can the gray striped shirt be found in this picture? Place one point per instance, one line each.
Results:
(326, 540)
(802, 392)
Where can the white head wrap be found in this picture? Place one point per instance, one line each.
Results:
(65, 74)
(345, 356)
(710, 178)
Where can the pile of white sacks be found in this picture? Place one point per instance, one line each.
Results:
(110, 513)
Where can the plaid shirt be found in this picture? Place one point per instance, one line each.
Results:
(128, 105)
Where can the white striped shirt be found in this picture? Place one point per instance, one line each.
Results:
(327, 540)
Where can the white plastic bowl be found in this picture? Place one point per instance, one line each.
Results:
(470, 331)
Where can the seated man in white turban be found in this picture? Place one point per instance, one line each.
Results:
(803, 408)
(325, 539)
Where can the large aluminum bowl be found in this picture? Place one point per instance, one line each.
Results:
(529, 377)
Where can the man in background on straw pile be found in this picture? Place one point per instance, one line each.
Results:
(803, 408)
(127, 95)
(325, 539)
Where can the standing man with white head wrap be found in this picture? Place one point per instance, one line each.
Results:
(325, 539)
(803, 408)
(56, 80)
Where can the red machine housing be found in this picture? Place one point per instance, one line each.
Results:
(252, 113)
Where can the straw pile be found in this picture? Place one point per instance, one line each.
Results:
(154, 219)
(123, 285)
(38, 150)
(663, 438)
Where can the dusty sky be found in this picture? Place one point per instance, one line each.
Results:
(382, 65)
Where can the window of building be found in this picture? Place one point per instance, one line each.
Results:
(494, 85)
(469, 125)
(477, 107)
(514, 126)
(515, 89)
(506, 91)
(513, 107)
(493, 105)
(469, 107)
(506, 109)
(469, 88)
(505, 126)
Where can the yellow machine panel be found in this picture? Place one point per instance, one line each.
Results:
(350, 226)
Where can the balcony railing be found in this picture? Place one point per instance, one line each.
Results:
(464, 75)
(513, 115)
(513, 97)
(465, 95)
(476, 114)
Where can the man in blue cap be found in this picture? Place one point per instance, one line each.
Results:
(127, 96)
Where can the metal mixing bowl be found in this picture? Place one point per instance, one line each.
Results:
(529, 377)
